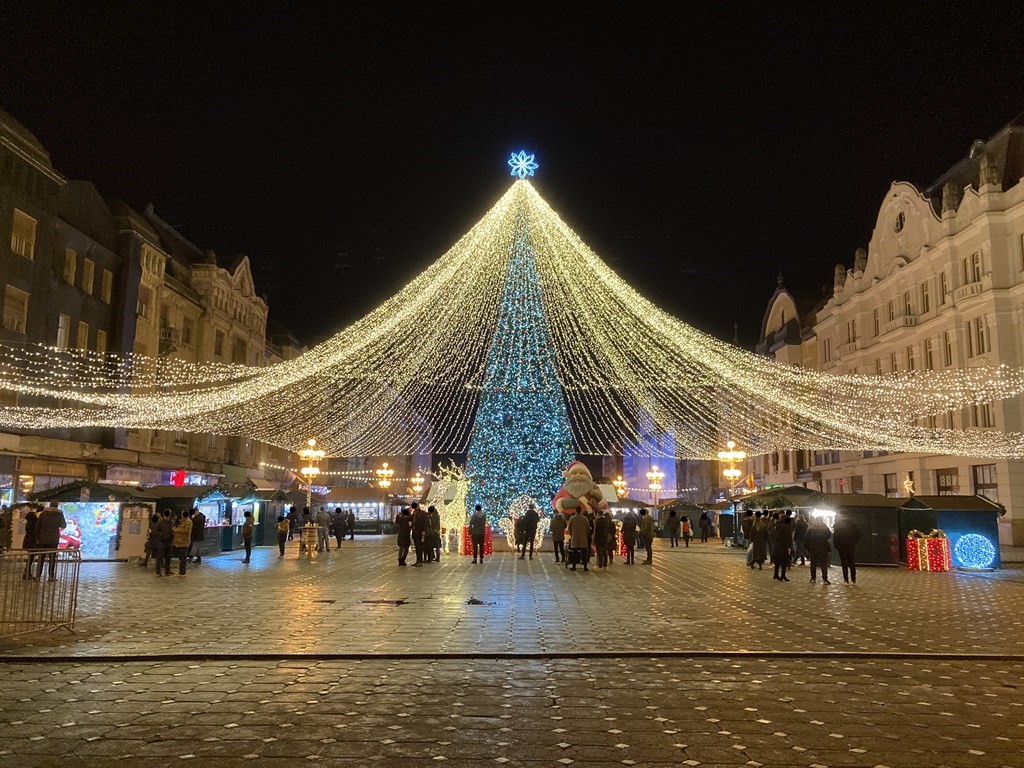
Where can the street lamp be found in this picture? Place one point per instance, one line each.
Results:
(654, 478)
(620, 486)
(732, 473)
(384, 475)
(417, 484)
(310, 472)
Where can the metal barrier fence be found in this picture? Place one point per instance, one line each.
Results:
(38, 590)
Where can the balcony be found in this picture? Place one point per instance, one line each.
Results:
(903, 321)
(170, 339)
(967, 291)
(848, 349)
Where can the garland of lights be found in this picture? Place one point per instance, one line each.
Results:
(409, 376)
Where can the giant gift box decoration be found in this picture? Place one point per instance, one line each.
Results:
(467, 542)
(928, 552)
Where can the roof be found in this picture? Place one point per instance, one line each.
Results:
(953, 504)
(874, 500)
(22, 139)
(97, 492)
(345, 495)
(174, 491)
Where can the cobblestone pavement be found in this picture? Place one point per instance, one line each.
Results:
(699, 666)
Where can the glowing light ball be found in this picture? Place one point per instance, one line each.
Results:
(974, 551)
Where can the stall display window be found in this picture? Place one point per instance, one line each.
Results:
(238, 510)
(92, 528)
(215, 512)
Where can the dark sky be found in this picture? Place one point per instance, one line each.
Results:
(699, 152)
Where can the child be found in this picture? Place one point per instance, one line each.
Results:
(283, 531)
(687, 531)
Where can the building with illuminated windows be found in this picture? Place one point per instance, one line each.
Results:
(940, 285)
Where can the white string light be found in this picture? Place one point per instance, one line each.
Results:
(406, 378)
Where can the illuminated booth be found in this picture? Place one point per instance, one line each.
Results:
(373, 507)
(225, 505)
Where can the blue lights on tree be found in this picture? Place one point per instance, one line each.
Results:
(521, 439)
(974, 551)
(522, 165)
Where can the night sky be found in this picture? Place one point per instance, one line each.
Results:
(699, 152)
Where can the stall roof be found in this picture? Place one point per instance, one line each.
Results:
(861, 500)
(355, 495)
(953, 504)
(98, 492)
(778, 498)
(174, 491)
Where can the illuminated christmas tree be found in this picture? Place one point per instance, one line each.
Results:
(521, 440)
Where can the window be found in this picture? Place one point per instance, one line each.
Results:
(878, 366)
(63, 331)
(107, 286)
(908, 307)
(943, 287)
(972, 268)
(911, 361)
(23, 235)
(211, 441)
(142, 305)
(892, 491)
(929, 355)
(979, 341)
(186, 331)
(947, 481)
(926, 301)
(101, 340)
(15, 309)
(947, 349)
(876, 324)
(985, 481)
(70, 265)
(892, 310)
(982, 415)
(893, 365)
(218, 344)
(82, 339)
(88, 275)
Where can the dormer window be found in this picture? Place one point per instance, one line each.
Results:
(901, 220)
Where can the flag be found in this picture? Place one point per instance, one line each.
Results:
(751, 485)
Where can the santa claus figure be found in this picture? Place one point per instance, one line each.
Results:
(579, 493)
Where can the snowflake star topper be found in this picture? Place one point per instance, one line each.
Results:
(522, 165)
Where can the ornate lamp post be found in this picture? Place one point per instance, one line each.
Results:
(620, 486)
(384, 475)
(654, 478)
(731, 456)
(310, 472)
(417, 484)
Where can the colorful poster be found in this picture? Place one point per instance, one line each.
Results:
(91, 527)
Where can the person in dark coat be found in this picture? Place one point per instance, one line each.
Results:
(613, 537)
(351, 525)
(421, 534)
(603, 528)
(747, 525)
(150, 546)
(579, 538)
(672, 528)
(338, 525)
(558, 526)
(845, 535)
(164, 537)
(530, 519)
(630, 522)
(705, 527)
(435, 534)
(647, 533)
(51, 522)
(293, 522)
(758, 542)
(29, 542)
(195, 549)
(773, 527)
(800, 529)
(478, 532)
(404, 525)
(782, 549)
(816, 543)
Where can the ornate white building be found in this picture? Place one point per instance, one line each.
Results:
(940, 285)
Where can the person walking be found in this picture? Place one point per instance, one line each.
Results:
(579, 539)
(28, 543)
(746, 527)
(284, 527)
(351, 525)
(758, 542)
(558, 526)
(420, 534)
(800, 528)
(195, 549)
(647, 531)
(603, 529)
(672, 528)
(338, 523)
(293, 522)
(164, 540)
(51, 522)
(782, 549)
(705, 527)
(530, 520)
(687, 529)
(630, 522)
(477, 532)
(247, 526)
(151, 545)
(435, 534)
(404, 524)
(323, 530)
(818, 548)
(181, 539)
(773, 527)
(845, 535)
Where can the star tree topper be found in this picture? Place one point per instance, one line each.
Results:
(522, 164)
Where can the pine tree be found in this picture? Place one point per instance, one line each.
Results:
(521, 439)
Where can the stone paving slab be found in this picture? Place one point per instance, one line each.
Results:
(585, 712)
(696, 600)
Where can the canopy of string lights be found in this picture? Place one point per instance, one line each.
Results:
(408, 377)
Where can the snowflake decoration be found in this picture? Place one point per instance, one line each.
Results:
(522, 165)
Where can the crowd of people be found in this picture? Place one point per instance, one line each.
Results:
(788, 540)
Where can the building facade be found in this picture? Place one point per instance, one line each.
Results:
(940, 286)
